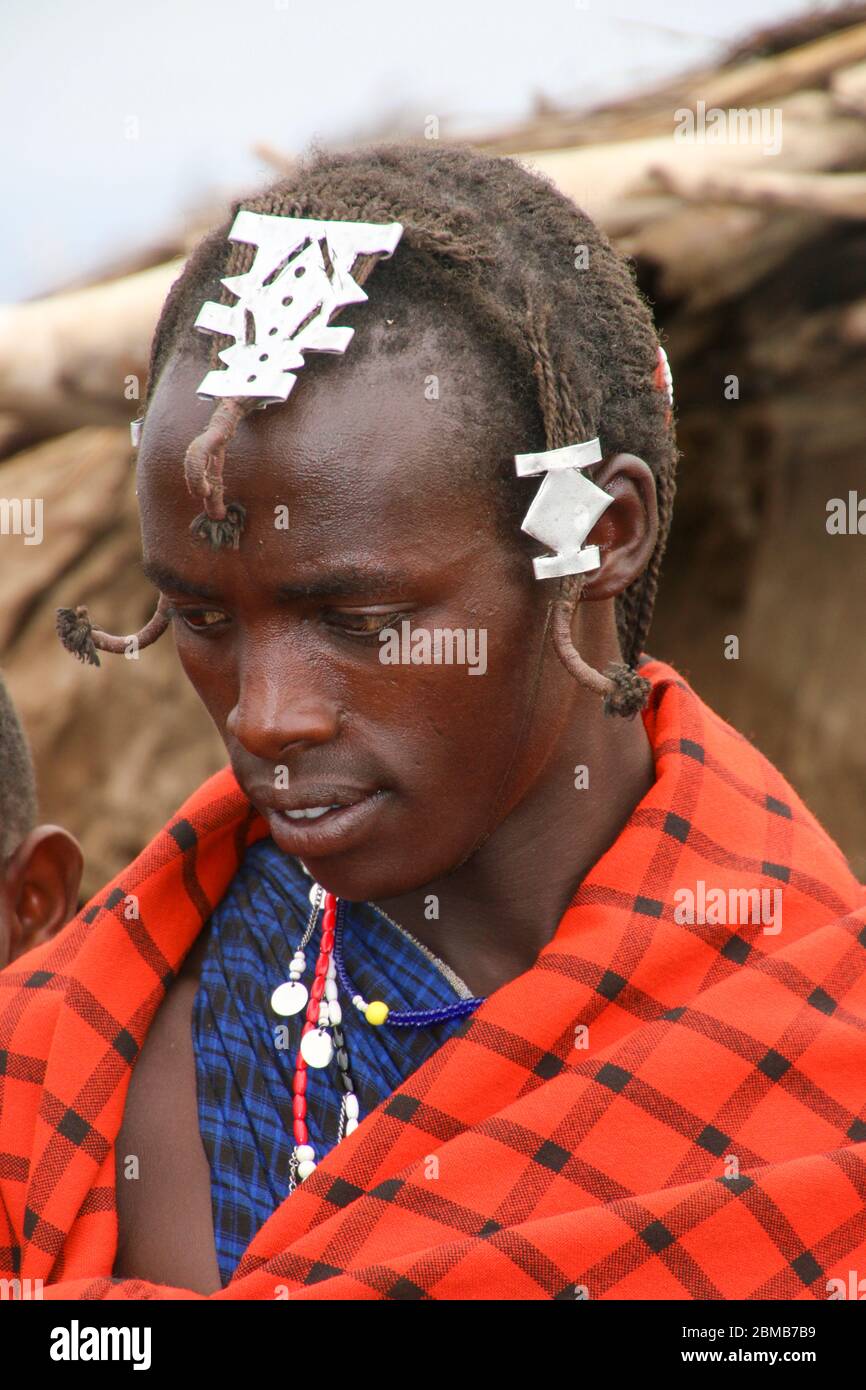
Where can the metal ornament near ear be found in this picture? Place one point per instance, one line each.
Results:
(565, 508)
(562, 514)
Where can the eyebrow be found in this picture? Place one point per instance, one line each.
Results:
(350, 582)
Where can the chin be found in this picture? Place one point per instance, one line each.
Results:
(375, 877)
(367, 879)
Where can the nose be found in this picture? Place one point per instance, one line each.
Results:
(280, 704)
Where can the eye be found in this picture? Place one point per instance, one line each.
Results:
(357, 623)
(200, 619)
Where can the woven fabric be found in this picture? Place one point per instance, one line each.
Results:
(516, 1162)
(244, 1068)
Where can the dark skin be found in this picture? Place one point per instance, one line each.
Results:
(467, 781)
(39, 886)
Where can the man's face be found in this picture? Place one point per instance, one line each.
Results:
(356, 521)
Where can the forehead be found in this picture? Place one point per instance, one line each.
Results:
(385, 424)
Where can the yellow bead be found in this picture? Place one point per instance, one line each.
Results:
(376, 1012)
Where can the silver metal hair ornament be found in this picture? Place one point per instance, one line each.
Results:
(301, 274)
(304, 271)
(663, 376)
(565, 508)
(562, 514)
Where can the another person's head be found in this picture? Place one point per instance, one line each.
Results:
(383, 491)
(40, 865)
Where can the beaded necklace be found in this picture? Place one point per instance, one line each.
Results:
(322, 1036)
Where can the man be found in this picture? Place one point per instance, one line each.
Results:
(650, 1062)
(40, 865)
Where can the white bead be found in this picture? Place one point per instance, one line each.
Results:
(331, 991)
(359, 1003)
(331, 972)
(317, 1049)
(305, 1169)
(289, 998)
(316, 895)
(335, 1013)
(299, 960)
(351, 1126)
(351, 1104)
(304, 1153)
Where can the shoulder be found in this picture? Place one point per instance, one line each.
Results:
(103, 974)
(742, 805)
(32, 989)
(32, 995)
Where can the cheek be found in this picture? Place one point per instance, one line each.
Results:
(464, 726)
(211, 673)
(460, 727)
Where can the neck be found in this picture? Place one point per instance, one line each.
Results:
(497, 911)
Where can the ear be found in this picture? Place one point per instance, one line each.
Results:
(42, 882)
(627, 531)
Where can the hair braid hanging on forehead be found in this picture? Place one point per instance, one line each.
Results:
(502, 241)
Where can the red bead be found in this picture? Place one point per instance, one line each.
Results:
(299, 1107)
(317, 988)
(330, 902)
(299, 1129)
(299, 1083)
(327, 945)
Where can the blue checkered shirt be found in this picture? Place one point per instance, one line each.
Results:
(244, 1078)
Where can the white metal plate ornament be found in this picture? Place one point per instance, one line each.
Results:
(300, 275)
(564, 509)
(667, 378)
(554, 460)
(317, 1049)
(289, 998)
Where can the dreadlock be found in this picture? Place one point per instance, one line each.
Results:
(504, 244)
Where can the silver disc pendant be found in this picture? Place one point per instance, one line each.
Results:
(317, 1048)
(289, 998)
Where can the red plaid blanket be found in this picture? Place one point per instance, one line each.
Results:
(659, 1108)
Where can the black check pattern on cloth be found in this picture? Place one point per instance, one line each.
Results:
(701, 1137)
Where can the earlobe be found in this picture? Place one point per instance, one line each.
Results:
(626, 534)
(43, 881)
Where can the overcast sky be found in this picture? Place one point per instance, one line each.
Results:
(116, 116)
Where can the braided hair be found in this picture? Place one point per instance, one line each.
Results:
(539, 284)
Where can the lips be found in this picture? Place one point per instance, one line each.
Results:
(312, 813)
(318, 819)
